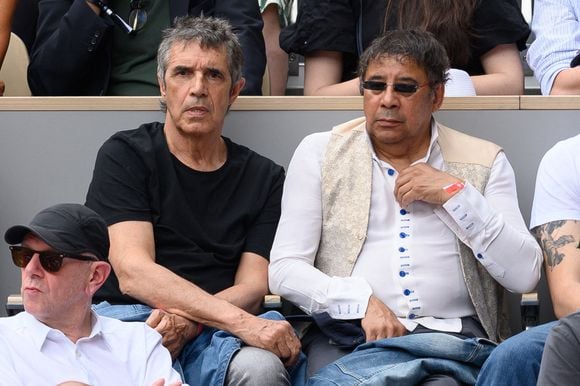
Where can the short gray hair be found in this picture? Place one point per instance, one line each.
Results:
(209, 32)
(415, 45)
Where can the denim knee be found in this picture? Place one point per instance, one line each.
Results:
(516, 361)
(255, 366)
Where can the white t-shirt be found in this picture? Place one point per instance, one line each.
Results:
(115, 353)
(557, 195)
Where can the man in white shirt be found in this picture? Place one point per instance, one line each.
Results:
(556, 26)
(62, 254)
(402, 225)
(555, 221)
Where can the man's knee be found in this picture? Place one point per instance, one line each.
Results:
(516, 361)
(528, 344)
(255, 366)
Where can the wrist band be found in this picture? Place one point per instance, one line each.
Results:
(454, 188)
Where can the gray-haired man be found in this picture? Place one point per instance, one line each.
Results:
(192, 217)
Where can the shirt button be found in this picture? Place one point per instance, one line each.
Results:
(479, 256)
(402, 273)
(401, 249)
(407, 292)
(403, 235)
(412, 316)
(403, 212)
(390, 172)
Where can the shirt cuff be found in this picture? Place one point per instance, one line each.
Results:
(470, 217)
(348, 299)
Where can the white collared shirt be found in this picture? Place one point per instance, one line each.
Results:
(410, 259)
(115, 353)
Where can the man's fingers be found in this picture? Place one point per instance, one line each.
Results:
(154, 318)
(289, 353)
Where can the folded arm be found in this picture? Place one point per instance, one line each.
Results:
(132, 256)
(492, 226)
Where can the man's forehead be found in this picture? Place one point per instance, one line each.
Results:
(195, 49)
(32, 239)
(402, 66)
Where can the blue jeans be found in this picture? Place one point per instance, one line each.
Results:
(407, 360)
(204, 360)
(516, 361)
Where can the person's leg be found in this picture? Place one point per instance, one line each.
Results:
(319, 351)
(124, 312)
(440, 380)
(257, 367)
(516, 361)
(560, 364)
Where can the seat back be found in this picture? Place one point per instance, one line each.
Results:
(13, 71)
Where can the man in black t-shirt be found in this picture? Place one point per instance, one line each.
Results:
(192, 217)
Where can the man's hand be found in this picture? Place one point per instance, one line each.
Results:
(175, 330)
(422, 182)
(380, 322)
(276, 336)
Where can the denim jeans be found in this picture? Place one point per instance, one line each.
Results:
(407, 360)
(516, 361)
(204, 360)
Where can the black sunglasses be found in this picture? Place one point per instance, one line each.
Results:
(51, 261)
(399, 87)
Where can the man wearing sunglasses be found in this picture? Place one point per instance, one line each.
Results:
(399, 233)
(62, 255)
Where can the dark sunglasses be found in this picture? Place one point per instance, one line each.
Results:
(51, 261)
(399, 87)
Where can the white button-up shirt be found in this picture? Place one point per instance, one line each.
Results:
(410, 259)
(115, 353)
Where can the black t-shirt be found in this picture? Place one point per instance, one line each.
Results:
(202, 221)
(349, 26)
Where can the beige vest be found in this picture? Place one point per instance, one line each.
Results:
(346, 197)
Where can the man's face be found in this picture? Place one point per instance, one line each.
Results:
(52, 296)
(398, 118)
(198, 89)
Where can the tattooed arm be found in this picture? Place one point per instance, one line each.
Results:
(560, 243)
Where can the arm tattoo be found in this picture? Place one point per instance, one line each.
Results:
(550, 240)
